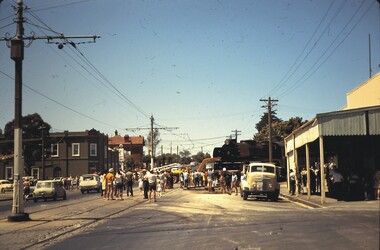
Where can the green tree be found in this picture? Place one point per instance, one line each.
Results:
(264, 120)
(200, 156)
(31, 134)
(185, 156)
(156, 140)
(279, 130)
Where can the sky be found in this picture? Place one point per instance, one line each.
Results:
(200, 67)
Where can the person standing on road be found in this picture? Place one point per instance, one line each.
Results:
(103, 180)
(129, 180)
(152, 179)
(145, 183)
(26, 185)
(292, 177)
(119, 180)
(234, 183)
(110, 177)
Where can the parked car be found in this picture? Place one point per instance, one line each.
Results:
(49, 190)
(5, 185)
(90, 182)
(260, 180)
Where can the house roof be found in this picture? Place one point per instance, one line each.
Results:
(126, 139)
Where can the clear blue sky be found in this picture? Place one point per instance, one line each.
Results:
(201, 66)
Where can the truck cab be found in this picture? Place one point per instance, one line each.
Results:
(259, 180)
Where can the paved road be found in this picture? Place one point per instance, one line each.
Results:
(194, 220)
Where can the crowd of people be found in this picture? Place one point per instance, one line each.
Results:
(342, 184)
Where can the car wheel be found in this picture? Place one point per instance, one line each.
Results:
(35, 200)
(245, 195)
(82, 191)
(45, 199)
(64, 196)
(3, 190)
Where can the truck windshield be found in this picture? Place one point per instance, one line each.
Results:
(262, 168)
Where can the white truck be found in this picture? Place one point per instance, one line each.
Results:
(259, 180)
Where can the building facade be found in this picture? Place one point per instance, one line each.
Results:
(128, 145)
(69, 154)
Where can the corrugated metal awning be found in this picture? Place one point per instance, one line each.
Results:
(357, 122)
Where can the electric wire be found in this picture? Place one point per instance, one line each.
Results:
(61, 104)
(287, 75)
(304, 77)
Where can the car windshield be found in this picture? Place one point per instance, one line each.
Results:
(88, 178)
(262, 168)
(44, 185)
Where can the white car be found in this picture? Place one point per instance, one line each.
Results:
(90, 182)
(5, 185)
(49, 190)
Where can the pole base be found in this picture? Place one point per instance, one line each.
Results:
(18, 217)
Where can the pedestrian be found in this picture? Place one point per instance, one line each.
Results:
(222, 181)
(141, 184)
(129, 182)
(337, 183)
(119, 180)
(228, 181)
(152, 180)
(103, 180)
(292, 179)
(159, 186)
(234, 183)
(26, 185)
(145, 184)
(110, 177)
(186, 178)
(210, 179)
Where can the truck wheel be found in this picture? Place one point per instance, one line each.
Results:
(35, 199)
(245, 195)
(274, 197)
(82, 191)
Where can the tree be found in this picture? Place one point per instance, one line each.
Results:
(279, 130)
(32, 133)
(264, 120)
(156, 140)
(185, 156)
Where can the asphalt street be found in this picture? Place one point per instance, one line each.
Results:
(193, 219)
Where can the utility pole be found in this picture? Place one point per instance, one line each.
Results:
(270, 103)
(17, 55)
(236, 133)
(42, 128)
(152, 137)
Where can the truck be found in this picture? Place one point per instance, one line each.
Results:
(259, 180)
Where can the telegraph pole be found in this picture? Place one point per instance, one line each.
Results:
(270, 103)
(17, 55)
(236, 134)
(152, 137)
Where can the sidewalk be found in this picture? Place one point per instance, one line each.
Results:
(313, 202)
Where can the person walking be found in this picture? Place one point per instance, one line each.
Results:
(234, 183)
